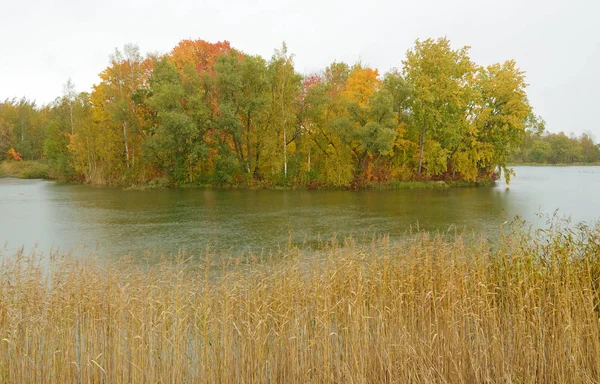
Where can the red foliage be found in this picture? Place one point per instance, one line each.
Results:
(309, 82)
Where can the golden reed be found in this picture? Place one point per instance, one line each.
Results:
(426, 310)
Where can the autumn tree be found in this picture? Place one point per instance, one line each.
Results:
(28, 122)
(503, 114)
(201, 54)
(369, 124)
(69, 96)
(63, 115)
(285, 88)
(86, 144)
(404, 150)
(327, 107)
(175, 143)
(438, 78)
(590, 152)
(311, 99)
(6, 138)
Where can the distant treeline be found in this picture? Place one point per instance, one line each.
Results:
(212, 115)
(540, 147)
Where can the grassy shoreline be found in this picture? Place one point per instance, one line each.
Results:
(426, 310)
(26, 169)
(39, 170)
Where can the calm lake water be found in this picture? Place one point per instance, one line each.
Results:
(114, 221)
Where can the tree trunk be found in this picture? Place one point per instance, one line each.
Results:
(71, 113)
(126, 144)
(284, 154)
(421, 147)
(255, 174)
(284, 134)
(248, 143)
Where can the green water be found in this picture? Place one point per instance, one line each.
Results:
(48, 215)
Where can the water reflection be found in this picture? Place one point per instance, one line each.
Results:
(116, 221)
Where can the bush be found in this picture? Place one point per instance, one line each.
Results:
(25, 169)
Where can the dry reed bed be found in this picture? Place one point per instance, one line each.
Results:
(427, 310)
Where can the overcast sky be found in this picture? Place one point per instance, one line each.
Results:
(557, 43)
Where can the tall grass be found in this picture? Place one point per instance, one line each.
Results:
(426, 310)
(24, 169)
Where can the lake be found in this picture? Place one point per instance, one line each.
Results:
(81, 218)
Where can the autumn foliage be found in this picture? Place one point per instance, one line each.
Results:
(14, 155)
(209, 114)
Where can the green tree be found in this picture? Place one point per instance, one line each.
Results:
(438, 79)
(590, 153)
(176, 142)
(540, 152)
(370, 123)
(285, 89)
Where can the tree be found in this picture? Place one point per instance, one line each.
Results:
(322, 106)
(176, 143)
(438, 79)
(6, 138)
(116, 110)
(90, 151)
(285, 88)
(504, 113)
(370, 123)
(69, 96)
(540, 152)
(590, 152)
(311, 100)
(56, 142)
(201, 54)
(27, 121)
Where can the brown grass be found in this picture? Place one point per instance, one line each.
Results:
(428, 310)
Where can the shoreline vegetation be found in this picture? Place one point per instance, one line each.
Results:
(39, 170)
(429, 309)
(25, 169)
(209, 114)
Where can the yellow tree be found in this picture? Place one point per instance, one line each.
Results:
(114, 105)
(438, 78)
(90, 147)
(503, 114)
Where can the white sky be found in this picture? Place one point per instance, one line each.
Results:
(557, 42)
